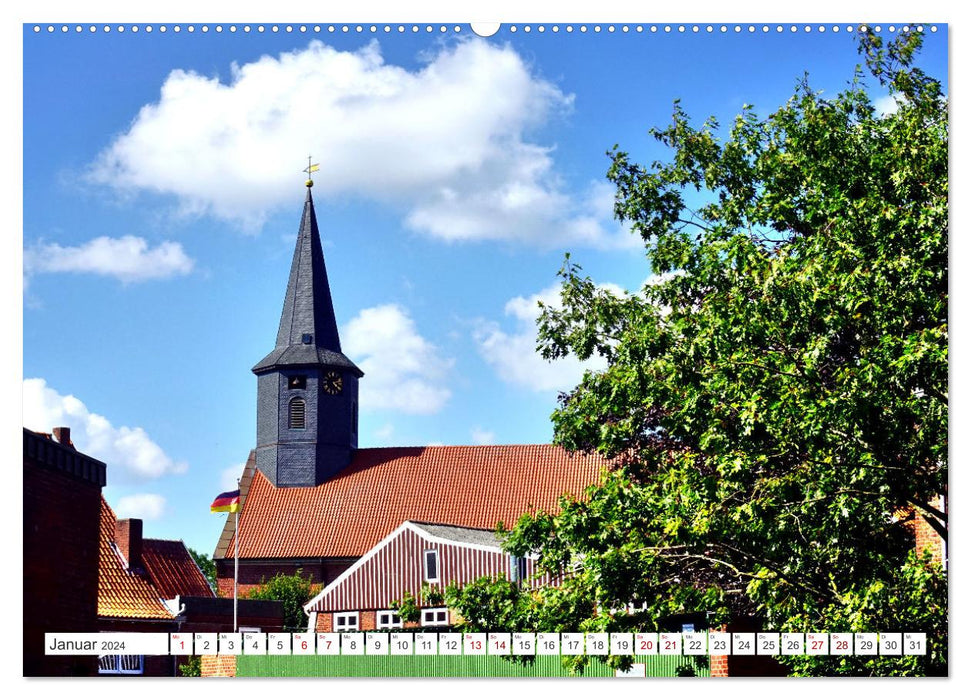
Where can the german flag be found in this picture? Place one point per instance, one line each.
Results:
(226, 502)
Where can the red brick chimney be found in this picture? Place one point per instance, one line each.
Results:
(128, 538)
(63, 436)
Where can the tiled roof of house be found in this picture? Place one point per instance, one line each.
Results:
(123, 593)
(172, 569)
(470, 486)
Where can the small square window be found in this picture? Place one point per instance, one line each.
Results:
(434, 617)
(345, 622)
(388, 619)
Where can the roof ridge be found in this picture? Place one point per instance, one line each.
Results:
(163, 539)
(457, 527)
(429, 447)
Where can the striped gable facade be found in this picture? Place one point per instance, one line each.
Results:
(399, 564)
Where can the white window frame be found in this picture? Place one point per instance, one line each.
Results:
(438, 566)
(392, 625)
(428, 616)
(118, 667)
(347, 626)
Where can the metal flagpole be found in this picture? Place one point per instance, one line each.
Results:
(236, 570)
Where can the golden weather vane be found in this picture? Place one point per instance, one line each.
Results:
(310, 170)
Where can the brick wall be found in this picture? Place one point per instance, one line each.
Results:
(62, 506)
(368, 621)
(253, 574)
(719, 666)
(325, 622)
(927, 539)
(128, 539)
(219, 666)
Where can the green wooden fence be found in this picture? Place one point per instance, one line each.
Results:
(451, 667)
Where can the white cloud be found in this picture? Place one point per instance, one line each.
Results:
(131, 455)
(147, 506)
(481, 436)
(888, 104)
(513, 354)
(404, 372)
(229, 475)
(447, 142)
(129, 259)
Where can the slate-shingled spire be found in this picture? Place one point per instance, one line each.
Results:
(308, 310)
(308, 306)
(306, 388)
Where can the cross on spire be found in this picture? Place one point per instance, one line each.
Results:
(310, 170)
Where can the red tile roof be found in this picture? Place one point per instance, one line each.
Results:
(173, 570)
(472, 486)
(123, 593)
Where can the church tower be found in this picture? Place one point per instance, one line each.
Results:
(306, 414)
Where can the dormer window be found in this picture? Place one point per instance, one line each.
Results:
(298, 414)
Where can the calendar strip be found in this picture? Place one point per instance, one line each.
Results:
(399, 643)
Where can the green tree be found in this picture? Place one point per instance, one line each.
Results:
(208, 567)
(409, 607)
(192, 668)
(776, 397)
(294, 592)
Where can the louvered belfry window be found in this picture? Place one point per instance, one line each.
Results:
(298, 414)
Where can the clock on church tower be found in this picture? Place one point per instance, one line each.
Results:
(307, 389)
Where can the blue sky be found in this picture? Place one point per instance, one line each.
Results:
(162, 190)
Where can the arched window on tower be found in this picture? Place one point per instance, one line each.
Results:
(298, 414)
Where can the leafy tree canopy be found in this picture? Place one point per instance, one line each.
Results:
(776, 397)
(294, 591)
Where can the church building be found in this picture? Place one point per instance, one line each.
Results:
(312, 500)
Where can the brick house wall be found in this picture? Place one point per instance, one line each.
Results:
(62, 505)
(254, 574)
(718, 666)
(219, 666)
(927, 539)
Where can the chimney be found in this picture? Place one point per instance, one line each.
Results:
(63, 436)
(128, 538)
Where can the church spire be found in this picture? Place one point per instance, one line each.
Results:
(307, 306)
(307, 334)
